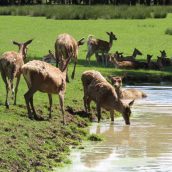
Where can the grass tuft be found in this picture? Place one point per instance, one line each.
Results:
(95, 137)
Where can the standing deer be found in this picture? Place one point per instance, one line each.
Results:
(11, 63)
(131, 93)
(66, 45)
(104, 95)
(96, 46)
(46, 78)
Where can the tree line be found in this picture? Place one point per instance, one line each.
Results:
(85, 2)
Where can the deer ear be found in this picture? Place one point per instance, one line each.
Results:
(81, 41)
(28, 42)
(131, 103)
(108, 33)
(16, 43)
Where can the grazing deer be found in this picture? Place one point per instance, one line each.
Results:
(11, 63)
(104, 95)
(96, 46)
(46, 78)
(165, 61)
(66, 45)
(116, 81)
(49, 58)
(154, 65)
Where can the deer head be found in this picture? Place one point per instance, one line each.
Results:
(163, 54)
(112, 36)
(138, 52)
(127, 112)
(23, 47)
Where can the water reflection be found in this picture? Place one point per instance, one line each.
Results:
(143, 146)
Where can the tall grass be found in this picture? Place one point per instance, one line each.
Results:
(88, 12)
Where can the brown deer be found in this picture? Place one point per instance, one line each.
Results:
(66, 45)
(46, 78)
(123, 64)
(165, 61)
(11, 63)
(116, 81)
(154, 65)
(49, 58)
(87, 77)
(133, 56)
(96, 46)
(104, 95)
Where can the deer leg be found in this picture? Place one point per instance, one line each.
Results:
(112, 115)
(98, 112)
(89, 54)
(7, 88)
(29, 101)
(67, 77)
(50, 103)
(73, 73)
(85, 104)
(61, 99)
(16, 89)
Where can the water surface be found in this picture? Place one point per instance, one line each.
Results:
(145, 145)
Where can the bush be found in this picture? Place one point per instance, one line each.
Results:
(95, 137)
(88, 12)
(168, 31)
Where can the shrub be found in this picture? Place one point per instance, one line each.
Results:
(168, 31)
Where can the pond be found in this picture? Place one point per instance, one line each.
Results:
(145, 145)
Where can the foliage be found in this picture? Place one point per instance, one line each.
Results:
(88, 12)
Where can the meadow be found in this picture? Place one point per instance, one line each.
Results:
(42, 145)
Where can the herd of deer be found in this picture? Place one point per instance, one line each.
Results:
(45, 77)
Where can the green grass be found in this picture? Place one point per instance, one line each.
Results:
(42, 145)
(88, 12)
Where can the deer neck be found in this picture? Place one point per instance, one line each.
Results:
(119, 106)
(119, 92)
(22, 52)
(110, 42)
(134, 54)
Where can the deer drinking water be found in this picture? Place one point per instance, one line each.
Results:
(96, 46)
(65, 46)
(11, 63)
(104, 95)
(46, 78)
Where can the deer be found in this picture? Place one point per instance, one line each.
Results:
(11, 63)
(49, 58)
(116, 82)
(123, 64)
(104, 95)
(96, 46)
(46, 78)
(66, 45)
(154, 65)
(133, 56)
(86, 78)
(165, 61)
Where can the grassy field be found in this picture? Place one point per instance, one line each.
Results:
(40, 146)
